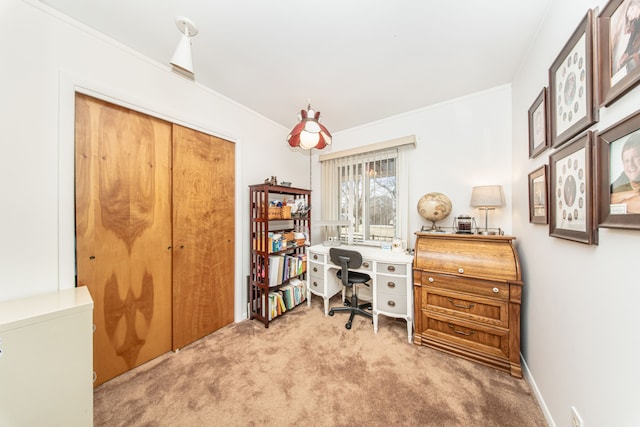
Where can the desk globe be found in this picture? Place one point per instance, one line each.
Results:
(434, 207)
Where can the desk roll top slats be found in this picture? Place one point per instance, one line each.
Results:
(468, 291)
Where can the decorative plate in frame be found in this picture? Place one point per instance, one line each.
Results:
(571, 100)
(538, 196)
(619, 49)
(618, 174)
(538, 125)
(571, 191)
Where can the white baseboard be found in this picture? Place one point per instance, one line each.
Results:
(532, 382)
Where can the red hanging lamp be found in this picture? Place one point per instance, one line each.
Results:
(309, 132)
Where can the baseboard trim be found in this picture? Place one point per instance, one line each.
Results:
(532, 382)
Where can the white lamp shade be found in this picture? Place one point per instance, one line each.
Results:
(182, 56)
(487, 196)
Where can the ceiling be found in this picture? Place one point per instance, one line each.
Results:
(356, 60)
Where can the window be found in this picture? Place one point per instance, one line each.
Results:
(366, 193)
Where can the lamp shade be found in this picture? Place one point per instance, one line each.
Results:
(309, 132)
(182, 56)
(487, 196)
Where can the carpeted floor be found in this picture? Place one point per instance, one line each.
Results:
(307, 369)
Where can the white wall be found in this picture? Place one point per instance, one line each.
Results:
(580, 311)
(460, 143)
(47, 56)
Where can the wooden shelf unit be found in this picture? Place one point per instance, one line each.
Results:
(261, 225)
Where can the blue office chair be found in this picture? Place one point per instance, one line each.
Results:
(348, 259)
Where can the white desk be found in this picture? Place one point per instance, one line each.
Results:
(391, 280)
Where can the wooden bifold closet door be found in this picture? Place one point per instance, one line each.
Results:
(154, 233)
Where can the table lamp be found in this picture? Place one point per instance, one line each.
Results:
(487, 197)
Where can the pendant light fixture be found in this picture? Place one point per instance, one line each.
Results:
(182, 56)
(309, 132)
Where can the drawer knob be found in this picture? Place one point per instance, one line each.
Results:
(315, 256)
(495, 290)
(365, 264)
(461, 270)
(391, 284)
(391, 303)
(315, 269)
(315, 284)
(391, 268)
(430, 279)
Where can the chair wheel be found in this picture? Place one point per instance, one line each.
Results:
(348, 325)
(330, 312)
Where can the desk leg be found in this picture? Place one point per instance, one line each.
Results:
(326, 306)
(375, 322)
(409, 329)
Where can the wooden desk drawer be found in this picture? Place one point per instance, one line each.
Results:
(470, 307)
(316, 284)
(390, 268)
(391, 303)
(466, 285)
(391, 284)
(316, 270)
(478, 338)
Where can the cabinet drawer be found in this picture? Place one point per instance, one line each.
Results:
(320, 258)
(316, 270)
(389, 268)
(391, 303)
(479, 309)
(316, 284)
(367, 265)
(466, 285)
(479, 338)
(391, 284)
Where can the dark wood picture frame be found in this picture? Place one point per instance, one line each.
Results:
(572, 106)
(539, 124)
(618, 51)
(571, 191)
(618, 206)
(539, 196)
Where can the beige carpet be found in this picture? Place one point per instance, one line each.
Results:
(307, 369)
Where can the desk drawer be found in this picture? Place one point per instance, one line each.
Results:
(466, 285)
(316, 257)
(316, 285)
(391, 284)
(390, 268)
(483, 310)
(316, 270)
(391, 303)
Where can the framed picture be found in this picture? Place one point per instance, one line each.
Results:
(619, 49)
(538, 196)
(571, 191)
(538, 129)
(618, 174)
(572, 107)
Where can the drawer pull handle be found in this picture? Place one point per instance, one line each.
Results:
(315, 284)
(391, 303)
(495, 290)
(466, 334)
(315, 256)
(430, 279)
(391, 284)
(315, 269)
(461, 270)
(466, 307)
(365, 264)
(391, 268)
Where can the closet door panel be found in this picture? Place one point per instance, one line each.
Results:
(203, 234)
(123, 232)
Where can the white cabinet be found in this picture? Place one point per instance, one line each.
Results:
(46, 360)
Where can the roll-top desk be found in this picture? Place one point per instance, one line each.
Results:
(468, 290)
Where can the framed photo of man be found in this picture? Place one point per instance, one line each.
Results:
(538, 196)
(618, 174)
(571, 191)
(619, 49)
(572, 106)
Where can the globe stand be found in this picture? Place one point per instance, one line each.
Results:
(433, 229)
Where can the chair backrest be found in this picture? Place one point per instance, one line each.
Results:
(346, 259)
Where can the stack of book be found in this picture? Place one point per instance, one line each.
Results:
(287, 297)
(284, 267)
